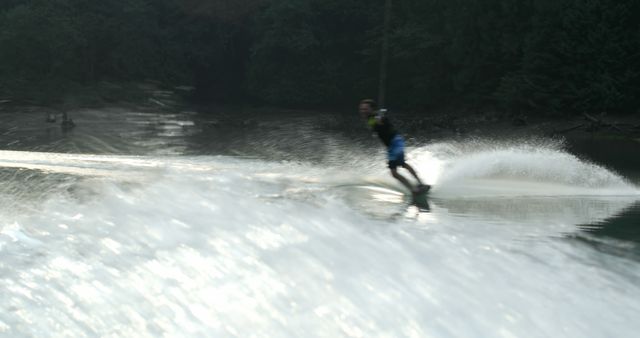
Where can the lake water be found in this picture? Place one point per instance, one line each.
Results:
(146, 224)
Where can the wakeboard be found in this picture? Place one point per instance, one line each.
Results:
(420, 198)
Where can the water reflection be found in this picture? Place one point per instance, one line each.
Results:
(100, 131)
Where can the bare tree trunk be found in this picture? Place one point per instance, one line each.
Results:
(384, 55)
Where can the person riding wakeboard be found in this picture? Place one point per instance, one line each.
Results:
(381, 125)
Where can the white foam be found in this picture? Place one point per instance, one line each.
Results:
(269, 249)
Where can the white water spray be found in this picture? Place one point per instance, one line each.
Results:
(225, 247)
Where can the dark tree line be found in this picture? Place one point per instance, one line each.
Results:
(547, 56)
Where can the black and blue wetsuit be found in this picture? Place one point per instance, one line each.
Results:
(390, 137)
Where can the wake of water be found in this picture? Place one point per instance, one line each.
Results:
(220, 246)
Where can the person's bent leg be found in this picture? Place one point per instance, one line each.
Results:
(402, 179)
(413, 172)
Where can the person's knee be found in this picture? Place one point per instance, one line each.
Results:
(394, 173)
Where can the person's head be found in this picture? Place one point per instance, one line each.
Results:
(367, 107)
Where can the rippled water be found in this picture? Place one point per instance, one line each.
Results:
(141, 223)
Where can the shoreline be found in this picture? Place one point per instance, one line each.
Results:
(503, 125)
(440, 123)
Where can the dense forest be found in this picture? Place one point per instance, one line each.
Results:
(544, 56)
